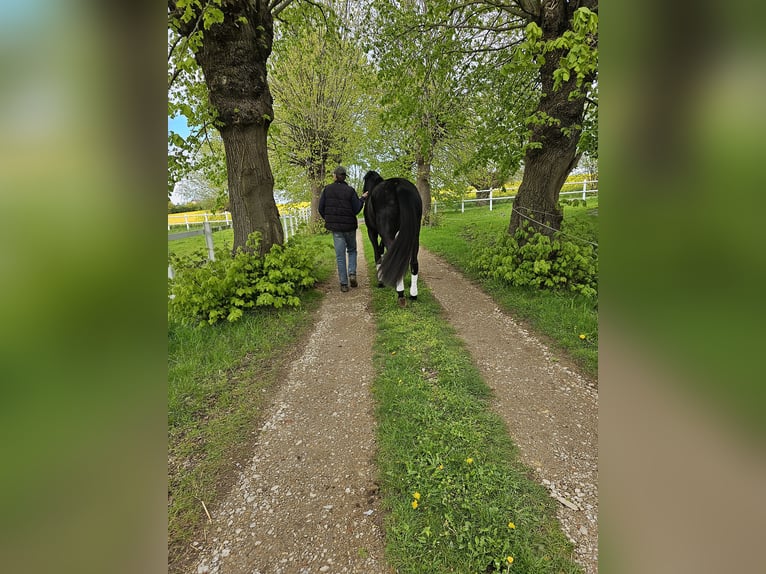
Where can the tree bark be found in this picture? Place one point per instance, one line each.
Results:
(316, 175)
(547, 166)
(423, 184)
(233, 58)
(251, 186)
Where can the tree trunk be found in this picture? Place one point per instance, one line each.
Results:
(553, 153)
(423, 184)
(251, 186)
(233, 58)
(316, 175)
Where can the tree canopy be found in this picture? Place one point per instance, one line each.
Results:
(443, 90)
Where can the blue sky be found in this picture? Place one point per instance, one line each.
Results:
(178, 125)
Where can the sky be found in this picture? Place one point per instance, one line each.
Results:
(178, 125)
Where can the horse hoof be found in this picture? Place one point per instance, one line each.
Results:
(380, 284)
(413, 297)
(402, 302)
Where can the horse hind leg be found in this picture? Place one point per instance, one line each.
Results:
(414, 268)
(414, 287)
(377, 247)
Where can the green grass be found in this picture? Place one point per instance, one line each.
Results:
(432, 411)
(190, 245)
(438, 438)
(560, 317)
(218, 378)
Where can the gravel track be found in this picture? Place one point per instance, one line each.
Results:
(308, 502)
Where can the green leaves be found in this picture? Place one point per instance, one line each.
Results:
(212, 15)
(527, 260)
(210, 291)
(576, 48)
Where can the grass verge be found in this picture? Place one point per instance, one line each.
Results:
(189, 245)
(218, 379)
(457, 497)
(559, 316)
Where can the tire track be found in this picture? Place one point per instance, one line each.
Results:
(550, 410)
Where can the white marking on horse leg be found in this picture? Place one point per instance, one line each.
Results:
(400, 285)
(414, 286)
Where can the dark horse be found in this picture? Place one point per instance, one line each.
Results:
(392, 212)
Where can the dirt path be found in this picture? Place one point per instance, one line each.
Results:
(308, 502)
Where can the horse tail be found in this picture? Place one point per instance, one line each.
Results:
(406, 242)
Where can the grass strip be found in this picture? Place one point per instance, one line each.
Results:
(456, 496)
(559, 316)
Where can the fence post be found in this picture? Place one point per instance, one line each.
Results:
(186, 219)
(462, 206)
(284, 227)
(209, 240)
(171, 273)
(490, 200)
(584, 188)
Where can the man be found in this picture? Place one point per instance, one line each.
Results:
(338, 206)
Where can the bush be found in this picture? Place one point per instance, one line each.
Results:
(210, 291)
(536, 260)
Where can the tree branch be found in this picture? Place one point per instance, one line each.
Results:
(277, 6)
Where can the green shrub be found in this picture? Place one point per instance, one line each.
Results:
(210, 291)
(536, 260)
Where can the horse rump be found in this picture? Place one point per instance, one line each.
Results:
(394, 210)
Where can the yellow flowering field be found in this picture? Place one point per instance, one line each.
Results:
(199, 215)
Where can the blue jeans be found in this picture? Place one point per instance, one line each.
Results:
(345, 242)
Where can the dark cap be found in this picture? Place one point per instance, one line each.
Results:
(340, 170)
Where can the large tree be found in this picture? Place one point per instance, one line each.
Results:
(567, 38)
(422, 81)
(318, 81)
(231, 41)
(557, 41)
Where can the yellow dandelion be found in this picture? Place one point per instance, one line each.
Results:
(511, 525)
(582, 335)
(414, 504)
(510, 559)
(393, 352)
(440, 467)
(469, 460)
(416, 495)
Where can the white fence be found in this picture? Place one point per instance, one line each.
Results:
(199, 218)
(583, 193)
(290, 224)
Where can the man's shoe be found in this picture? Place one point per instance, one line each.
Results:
(344, 288)
(352, 279)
